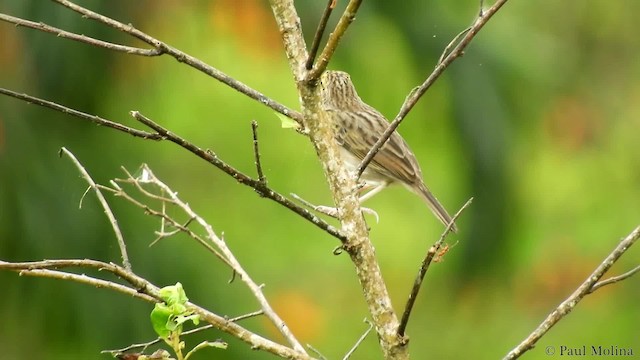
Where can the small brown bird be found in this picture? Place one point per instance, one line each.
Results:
(358, 126)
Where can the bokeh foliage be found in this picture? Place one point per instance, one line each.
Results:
(538, 121)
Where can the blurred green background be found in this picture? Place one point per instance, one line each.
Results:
(539, 121)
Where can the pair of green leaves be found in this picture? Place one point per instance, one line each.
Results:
(168, 317)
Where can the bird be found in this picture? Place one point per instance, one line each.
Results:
(357, 126)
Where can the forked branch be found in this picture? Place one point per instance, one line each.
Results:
(587, 287)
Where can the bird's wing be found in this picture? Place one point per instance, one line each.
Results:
(394, 159)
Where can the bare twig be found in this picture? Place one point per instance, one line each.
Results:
(255, 289)
(139, 285)
(433, 250)
(572, 301)
(105, 206)
(159, 48)
(317, 352)
(77, 37)
(451, 44)
(119, 191)
(212, 158)
(256, 151)
(206, 155)
(614, 279)
(145, 345)
(93, 118)
(143, 289)
(184, 58)
(331, 4)
(442, 65)
(360, 340)
(332, 43)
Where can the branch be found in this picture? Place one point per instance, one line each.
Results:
(341, 182)
(417, 93)
(145, 345)
(331, 4)
(256, 151)
(587, 287)
(360, 340)
(93, 118)
(145, 290)
(614, 279)
(80, 38)
(149, 178)
(332, 43)
(105, 206)
(243, 179)
(433, 250)
(208, 156)
(159, 48)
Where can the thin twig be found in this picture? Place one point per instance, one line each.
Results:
(331, 4)
(572, 301)
(417, 284)
(119, 191)
(145, 345)
(93, 118)
(332, 43)
(105, 206)
(317, 352)
(78, 37)
(256, 151)
(411, 100)
(222, 246)
(614, 279)
(139, 284)
(451, 44)
(243, 179)
(360, 340)
(185, 58)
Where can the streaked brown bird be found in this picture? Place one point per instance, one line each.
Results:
(358, 126)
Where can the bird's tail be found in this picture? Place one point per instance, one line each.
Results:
(435, 206)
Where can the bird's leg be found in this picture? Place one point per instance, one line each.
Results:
(376, 189)
(331, 211)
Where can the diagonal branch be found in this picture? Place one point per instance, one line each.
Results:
(208, 156)
(93, 118)
(240, 177)
(315, 45)
(442, 65)
(417, 284)
(334, 39)
(572, 301)
(159, 48)
(78, 37)
(105, 206)
(614, 279)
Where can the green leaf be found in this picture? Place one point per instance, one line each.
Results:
(174, 294)
(160, 318)
(287, 122)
